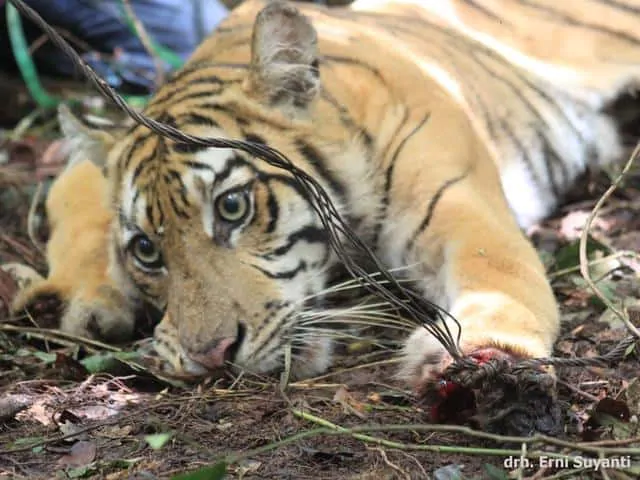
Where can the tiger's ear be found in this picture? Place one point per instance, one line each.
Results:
(84, 142)
(284, 57)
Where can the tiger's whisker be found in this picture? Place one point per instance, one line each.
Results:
(361, 321)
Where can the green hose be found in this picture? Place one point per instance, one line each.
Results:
(25, 63)
(29, 73)
(163, 53)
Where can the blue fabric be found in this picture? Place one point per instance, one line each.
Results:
(179, 25)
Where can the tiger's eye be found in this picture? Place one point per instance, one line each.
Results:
(233, 206)
(146, 252)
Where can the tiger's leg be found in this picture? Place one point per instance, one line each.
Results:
(447, 214)
(79, 296)
(494, 285)
(492, 282)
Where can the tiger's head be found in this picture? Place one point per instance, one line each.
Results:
(228, 246)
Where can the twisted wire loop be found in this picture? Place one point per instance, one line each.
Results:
(346, 243)
(467, 372)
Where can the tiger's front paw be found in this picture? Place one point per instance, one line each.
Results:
(491, 392)
(101, 314)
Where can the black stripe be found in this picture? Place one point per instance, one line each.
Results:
(388, 182)
(622, 6)
(285, 180)
(197, 165)
(254, 138)
(564, 18)
(199, 67)
(134, 147)
(431, 208)
(357, 63)
(194, 118)
(455, 45)
(486, 12)
(275, 331)
(149, 212)
(160, 216)
(188, 148)
(346, 118)
(285, 275)
(173, 175)
(190, 69)
(309, 234)
(192, 95)
(232, 113)
(180, 212)
(551, 158)
(183, 192)
(174, 180)
(175, 85)
(136, 196)
(318, 162)
(548, 151)
(273, 207)
(505, 128)
(234, 162)
(460, 45)
(143, 163)
(534, 110)
(144, 287)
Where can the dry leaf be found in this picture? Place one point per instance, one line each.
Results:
(82, 453)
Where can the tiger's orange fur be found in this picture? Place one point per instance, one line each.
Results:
(438, 128)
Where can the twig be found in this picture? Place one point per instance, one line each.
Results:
(24, 124)
(617, 443)
(43, 39)
(582, 393)
(32, 216)
(591, 263)
(311, 382)
(58, 335)
(145, 40)
(584, 265)
(538, 438)
(354, 432)
(417, 462)
(389, 463)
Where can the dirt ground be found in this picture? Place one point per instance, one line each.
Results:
(72, 410)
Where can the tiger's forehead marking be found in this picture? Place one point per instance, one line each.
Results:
(206, 165)
(179, 182)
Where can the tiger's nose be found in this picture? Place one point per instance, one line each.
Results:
(216, 353)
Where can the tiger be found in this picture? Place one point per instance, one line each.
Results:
(441, 131)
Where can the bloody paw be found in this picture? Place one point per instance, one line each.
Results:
(494, 396)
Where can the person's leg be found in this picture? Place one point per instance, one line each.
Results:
(179, 25)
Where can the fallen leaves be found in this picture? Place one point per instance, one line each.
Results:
(609, 417)
(158, 440)
(349, 402)
(82, 453)
(11, 405)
